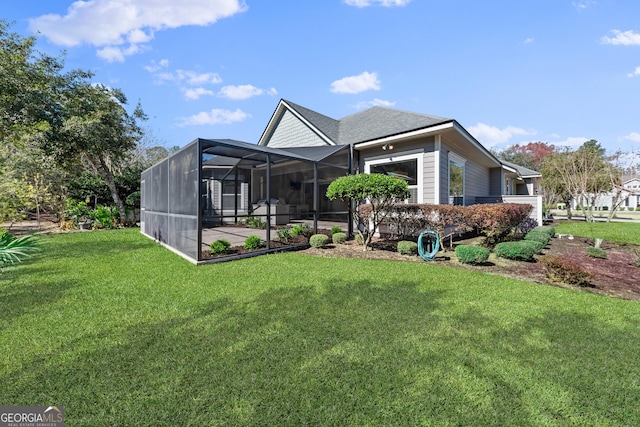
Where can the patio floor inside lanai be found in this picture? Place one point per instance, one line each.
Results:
(236, 235)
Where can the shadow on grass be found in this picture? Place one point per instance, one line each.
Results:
(342, 354)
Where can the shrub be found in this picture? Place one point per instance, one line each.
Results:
(253, 242)
(407, 247)
(537, 236)
(562, 270)
(301, 230)
(255, 222)
(339, 238)
(284, 234)
(536, 245)
(551, 231)
(472, 254)
(220, 246)
(497, 220)
(527, 225)
(597, 253)
(520, 251)
(318, 240)
(336, 229)
(359, 239)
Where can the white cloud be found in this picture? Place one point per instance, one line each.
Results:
(623, 38)
(157, 66)
(491, 135)
(244, 92)
(528, 40)
(214, 117)
(384, 3)
(195, 93)
(583, 4)
(129, 23)
(375, 103)
(572, 141)
(635, 72)
(356, 84)
(633, 136)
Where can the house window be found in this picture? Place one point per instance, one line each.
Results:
(456, 180)
(407, 167)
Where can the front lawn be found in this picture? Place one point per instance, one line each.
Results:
(120, 331)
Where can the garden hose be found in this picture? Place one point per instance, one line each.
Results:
(430, 247)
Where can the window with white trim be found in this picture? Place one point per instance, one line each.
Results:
(407, 167)
(456, 179)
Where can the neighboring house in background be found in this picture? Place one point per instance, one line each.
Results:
(441, 161)
(628, 198)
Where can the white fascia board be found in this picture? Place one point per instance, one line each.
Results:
(475, 142)
(510, 169)
(309, 125)
(407, 135)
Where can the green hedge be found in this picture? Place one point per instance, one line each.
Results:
(472, 254)
(520, 251)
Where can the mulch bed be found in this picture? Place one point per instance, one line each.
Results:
(618, 275)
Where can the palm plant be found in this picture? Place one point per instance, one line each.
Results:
(14, 249)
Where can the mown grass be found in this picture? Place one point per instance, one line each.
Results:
(628, 232)
(122, 332)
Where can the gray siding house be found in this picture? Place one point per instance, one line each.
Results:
(441, 161)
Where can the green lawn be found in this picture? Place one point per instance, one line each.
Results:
(628, 232)
(120, 331)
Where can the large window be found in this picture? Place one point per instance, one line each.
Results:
(456, 180)
(403, 167)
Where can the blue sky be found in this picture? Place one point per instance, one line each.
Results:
(558, 71)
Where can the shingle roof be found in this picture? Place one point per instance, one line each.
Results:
(524, 172)
(367, 125)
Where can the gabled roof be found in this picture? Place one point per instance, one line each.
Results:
(379, 122)
(521, 170)
(326, 125)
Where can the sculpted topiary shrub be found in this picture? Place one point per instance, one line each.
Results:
(496, 221)
(472, 254)
(379, 191)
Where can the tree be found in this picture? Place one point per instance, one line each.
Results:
(96, 129)
(530, 155)
(380, 192)
(582, 175)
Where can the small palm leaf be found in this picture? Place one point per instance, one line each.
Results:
(13, 249)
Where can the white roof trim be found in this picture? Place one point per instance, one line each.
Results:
(419, 132)
(475, 142)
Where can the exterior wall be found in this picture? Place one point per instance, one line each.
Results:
(444, 177)
(495, 181)
(476, 178)
(291, 132)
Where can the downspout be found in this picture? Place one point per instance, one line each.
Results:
(268, 201)
(437, 147)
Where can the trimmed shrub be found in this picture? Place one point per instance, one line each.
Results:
(359, 239)
(538, 236)
(519, 251)
(472, 254)
(562, 270)
(597, 253)
(336, 229)
(406, 247)
(253, 242)
(219, 246)
(318, 240)
(537, 246)
(551, 231)
(339, 238)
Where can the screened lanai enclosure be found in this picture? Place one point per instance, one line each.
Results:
(211, 188)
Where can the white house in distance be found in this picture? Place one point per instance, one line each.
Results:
(629, 196)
